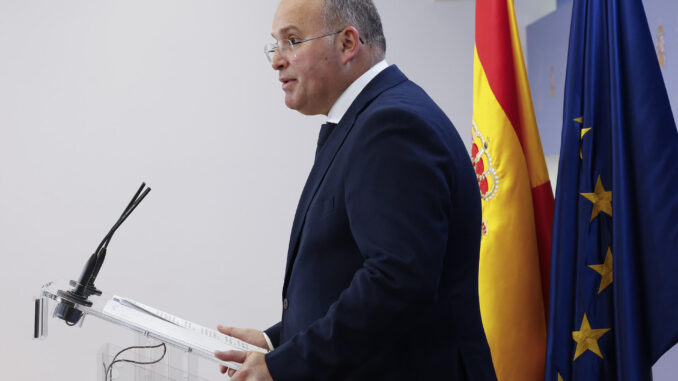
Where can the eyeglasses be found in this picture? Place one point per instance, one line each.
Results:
(285, 47)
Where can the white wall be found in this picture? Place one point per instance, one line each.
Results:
(97, 96)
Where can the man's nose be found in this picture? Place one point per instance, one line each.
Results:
(278, 61)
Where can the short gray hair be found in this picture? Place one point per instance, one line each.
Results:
(361, 14)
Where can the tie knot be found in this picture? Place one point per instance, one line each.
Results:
(325, 131)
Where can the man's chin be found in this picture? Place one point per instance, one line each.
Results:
(290, 103)
(294, 104)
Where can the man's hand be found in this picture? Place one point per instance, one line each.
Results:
(253, 365)
(248, 335)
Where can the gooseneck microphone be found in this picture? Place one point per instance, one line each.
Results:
(84, 287)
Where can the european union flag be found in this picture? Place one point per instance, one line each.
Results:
(614, 278)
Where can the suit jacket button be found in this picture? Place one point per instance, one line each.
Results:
(286, 304)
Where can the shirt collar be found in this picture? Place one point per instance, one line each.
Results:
(351, 93)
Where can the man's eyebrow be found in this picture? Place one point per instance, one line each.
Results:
(286, 30)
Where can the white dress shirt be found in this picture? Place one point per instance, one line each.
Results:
(351, 93)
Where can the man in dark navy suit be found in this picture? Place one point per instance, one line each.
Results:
(382, 268)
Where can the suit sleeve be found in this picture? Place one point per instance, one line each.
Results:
(397, 199)
(273, 333)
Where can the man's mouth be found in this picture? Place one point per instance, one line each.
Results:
(287, 82)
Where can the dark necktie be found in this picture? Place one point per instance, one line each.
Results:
(325, 132)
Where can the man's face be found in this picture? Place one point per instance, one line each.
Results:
(309, 79)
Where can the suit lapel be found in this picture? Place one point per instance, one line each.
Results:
(388, 78)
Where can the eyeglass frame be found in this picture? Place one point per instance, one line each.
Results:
(271, 48)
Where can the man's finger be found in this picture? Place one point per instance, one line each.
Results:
(223, 369)
(235, 356)
(242, 375)
(226, 330)
(231, 372)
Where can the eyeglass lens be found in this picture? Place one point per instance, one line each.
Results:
(284, 47)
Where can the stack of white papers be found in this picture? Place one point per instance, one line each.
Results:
(163, 325)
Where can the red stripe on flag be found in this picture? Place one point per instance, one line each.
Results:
(542, 199)
(495, 51)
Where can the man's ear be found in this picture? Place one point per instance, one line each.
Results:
(349, 39)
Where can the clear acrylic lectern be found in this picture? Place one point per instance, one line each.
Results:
(166, 348)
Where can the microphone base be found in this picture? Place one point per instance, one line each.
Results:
(74, 298)
(90, 289)
(66, 310)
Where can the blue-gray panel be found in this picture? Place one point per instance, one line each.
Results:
(662, 15)
(560, 3)
(547, 42)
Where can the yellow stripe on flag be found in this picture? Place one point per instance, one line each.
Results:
(509, 282)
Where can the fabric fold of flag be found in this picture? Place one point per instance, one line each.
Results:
(517, 198)
(615, 239)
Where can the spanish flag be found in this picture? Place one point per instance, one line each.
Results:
(517, 199)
